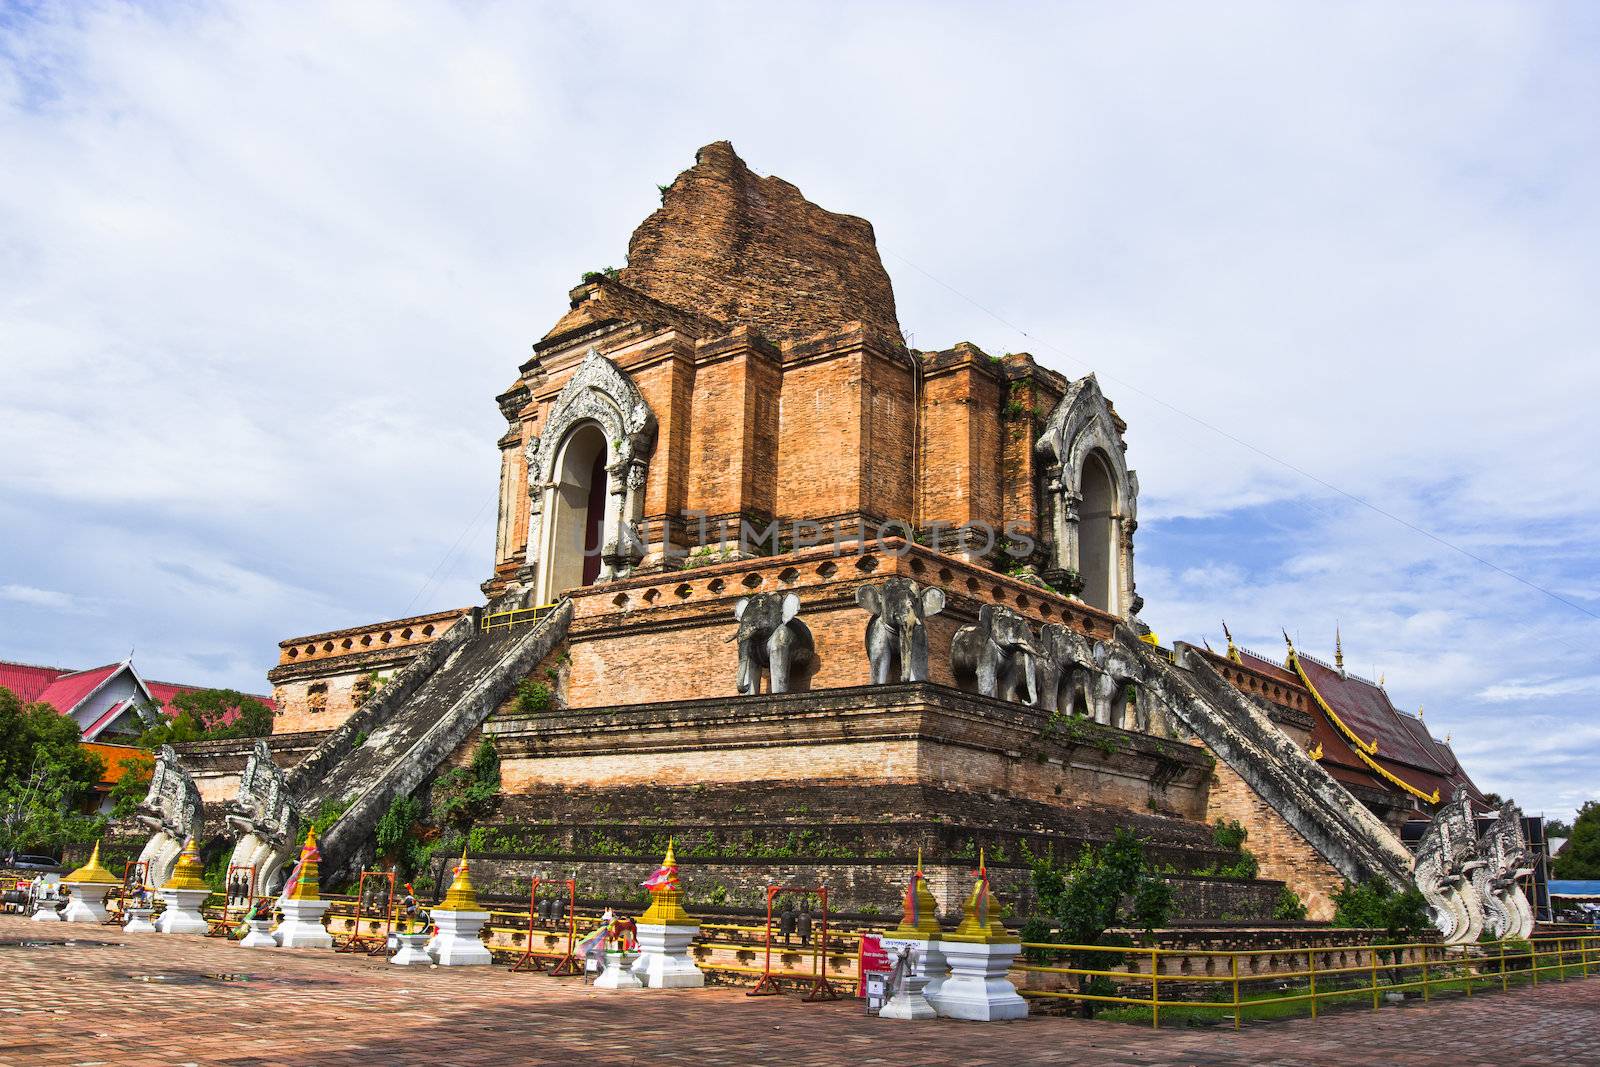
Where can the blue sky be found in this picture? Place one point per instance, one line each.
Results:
(264, 267)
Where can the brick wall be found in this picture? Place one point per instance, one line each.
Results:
(1283, 853)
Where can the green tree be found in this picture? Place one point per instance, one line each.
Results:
(1556, 828)
(1105, 888)
(209, 715)
(1402, 915)
(1581, 858)
(45, 774)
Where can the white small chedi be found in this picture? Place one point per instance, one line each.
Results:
(459, 919)
(665, 932)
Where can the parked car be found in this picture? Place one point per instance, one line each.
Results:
(31, 863)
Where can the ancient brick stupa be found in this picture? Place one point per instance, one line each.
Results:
(854, 588)
(459, 919)
(665, 932)
(302, 903)
(185, 893)
(89, 885)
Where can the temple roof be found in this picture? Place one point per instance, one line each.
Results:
(731, 248)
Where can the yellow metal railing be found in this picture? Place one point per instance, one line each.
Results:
(1427, 966)
(505, 620)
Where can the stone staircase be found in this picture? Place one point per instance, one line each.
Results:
(423, 714)
(1235, 728)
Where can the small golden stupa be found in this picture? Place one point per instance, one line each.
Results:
(92, 873)
(306, 886)
(980, 920)
(461, 896)
(920, 916)
(666, 895)
(188, 872)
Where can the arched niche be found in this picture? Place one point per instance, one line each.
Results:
(586, 477)
(1090, 498)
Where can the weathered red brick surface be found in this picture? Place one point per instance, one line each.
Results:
(83, 1004)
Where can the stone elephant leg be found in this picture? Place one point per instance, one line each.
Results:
(1105, 691)
(913, 654)
(879, 650)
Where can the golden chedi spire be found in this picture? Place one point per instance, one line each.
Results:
(920, 916)
(1338, 648)
(188, 872)
(461, 896)
(666, 895)
(306, 886)
(980, 919)
(92, 872)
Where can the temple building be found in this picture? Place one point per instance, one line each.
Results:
(771, 581)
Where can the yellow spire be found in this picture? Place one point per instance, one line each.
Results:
(920, 917)
(188, 872)
(306, 884)
(461, 896)
(1338, 647)
(1314, 753)
(92, 872)
(666, 895)
(1381, 678)
(980, 920)
(1419, 711)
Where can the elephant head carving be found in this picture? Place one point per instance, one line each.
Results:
(997, 655)
(897, 639)
(1117, 672)
(770, 638)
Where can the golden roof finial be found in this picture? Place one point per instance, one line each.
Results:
(92, 873)
(1315, 752)
(1233, 649)
(1381, 678)
(1419, 711)
(1338, 647)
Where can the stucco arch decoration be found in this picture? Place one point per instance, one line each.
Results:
(600, 392)
(1082, 426)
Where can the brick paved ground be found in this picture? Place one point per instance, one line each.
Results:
(79, 1004)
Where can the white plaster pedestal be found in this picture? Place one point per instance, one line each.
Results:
(302, 925)
(137, 921)
(46, 913)
(978, 988)
(183, 911)
(87, 904)
(260, 935)
(664, 961)
(618, 973)
(456, 944)
(412, 951)
(911, 998)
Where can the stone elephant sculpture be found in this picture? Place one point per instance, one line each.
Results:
(771, 639)
(1064, 670)
(996, 655)
(1118, 671)
(897, 637)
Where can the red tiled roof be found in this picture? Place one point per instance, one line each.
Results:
(27, 680)
(1366, 709)
(69, 690)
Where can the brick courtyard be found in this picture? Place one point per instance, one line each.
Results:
(119, 1000)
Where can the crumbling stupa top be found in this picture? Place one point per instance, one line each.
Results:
(745, 250)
